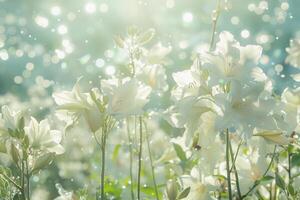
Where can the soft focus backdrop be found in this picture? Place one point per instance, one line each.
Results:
(46, 45)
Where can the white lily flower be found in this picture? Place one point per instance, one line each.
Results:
(128, 98)
(42, 138)
(157, 53)
(211, 148)
(200, 185)
(273, 136)
(192, 82)
(288, 114)
(252, 162)
(9, 120)
(74, 104)
(230, 61)
(154, 76)
(74, 101)
(243, 110)
(187, 114)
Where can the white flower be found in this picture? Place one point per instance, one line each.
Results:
(230, 61)
(274, 137)
(244, 110)
(192, 82)
(211, 148)
(200, 185)
(154, 76)
(192, 98)
(293, 51)
(127, 98)
(74, 104)
(63, 194)
(41, 138)
(73, 101)
(252, 162)
(288, 110)
(9, 120)
(187, 114)
(157, 53)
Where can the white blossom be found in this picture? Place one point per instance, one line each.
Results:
(42, 138)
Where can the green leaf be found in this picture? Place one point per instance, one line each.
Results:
(43, 161)
(179, 151)
(220, 177)
(2, 147)
(291, 189)
(295, 161)
(119, 41)
(14, 152)
(172, 190)
(279, 181)
(12, 133)
(146, 37)
(132, 30)
(184, 193)
(26, 141)
(21, 123)
(116, 152)
(266, 178)
(149, 191)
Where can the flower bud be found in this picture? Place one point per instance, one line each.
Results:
(172, 190)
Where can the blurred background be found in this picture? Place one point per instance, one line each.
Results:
(46, 45)
(55, 41)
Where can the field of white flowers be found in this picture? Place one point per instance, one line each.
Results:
(149, 100)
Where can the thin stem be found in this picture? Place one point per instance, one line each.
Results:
(131, 58)
(265, 173)
(227, 165)
(103, 147)
(276, 172)
(12, 181)
(235, 170)
(27, 180)
(131, 159)
(140, 160)
(271, 190)
(151, 162)
(236, 155)
(214, 24)
(23, 179)
(289, 167)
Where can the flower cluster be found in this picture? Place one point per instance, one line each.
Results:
(224, 131)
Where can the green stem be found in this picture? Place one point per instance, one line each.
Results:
(12, 181)
(140, 160)
(227, 165)
(214, 25)
(27, 180)
(235, 170)
(151, 163)
(271, 190)
(289, 167)
(131, 58)
(236, 155)
(103, 146)
(131, 159)
(23, 179)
